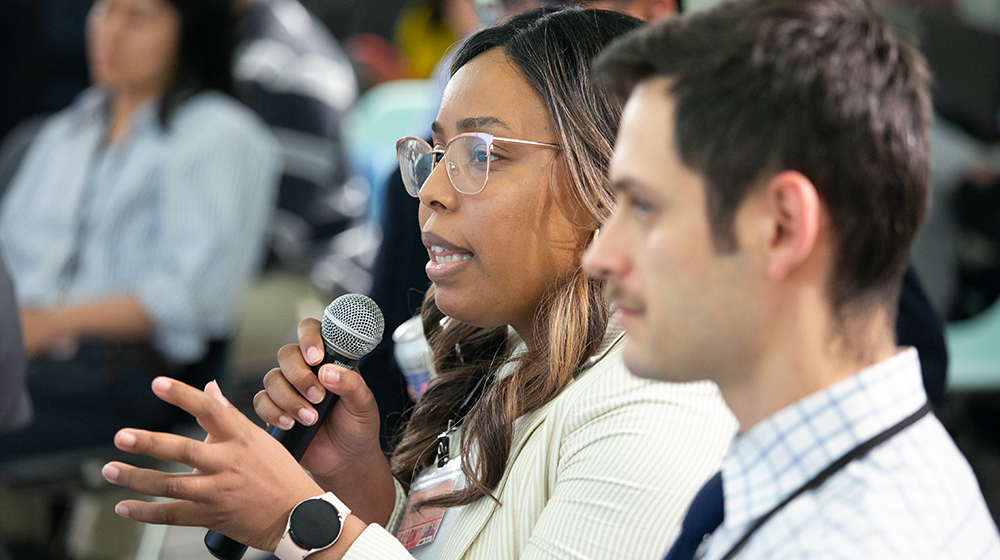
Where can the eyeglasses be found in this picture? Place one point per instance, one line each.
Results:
(467, 158)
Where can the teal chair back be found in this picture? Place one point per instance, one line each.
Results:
(383, 115)
(974, 352)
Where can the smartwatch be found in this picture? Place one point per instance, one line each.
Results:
(314, 524)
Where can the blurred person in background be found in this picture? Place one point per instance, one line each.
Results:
(135, 221)
(290, 69)
(427, 29)
(533, 441)
(15, 403)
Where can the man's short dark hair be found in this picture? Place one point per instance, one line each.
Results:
(817, 86)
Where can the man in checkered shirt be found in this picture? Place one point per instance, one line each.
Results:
(771, 172)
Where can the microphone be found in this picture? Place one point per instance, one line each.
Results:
(352, 327)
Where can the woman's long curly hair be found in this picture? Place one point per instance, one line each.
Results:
(554, 50)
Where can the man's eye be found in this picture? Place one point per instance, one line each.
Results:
(640, 208)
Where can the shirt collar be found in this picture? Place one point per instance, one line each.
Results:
(92, 106)
(784, 451)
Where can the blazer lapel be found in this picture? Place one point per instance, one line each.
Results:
(474, 517)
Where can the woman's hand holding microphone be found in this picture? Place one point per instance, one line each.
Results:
(344, 457)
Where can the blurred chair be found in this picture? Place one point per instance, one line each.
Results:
(973, 411)
(974, 351)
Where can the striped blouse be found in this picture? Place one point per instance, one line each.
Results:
(603, 471)
(173, 216)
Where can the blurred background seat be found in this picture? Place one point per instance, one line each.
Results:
(974, 349)
(383, 115)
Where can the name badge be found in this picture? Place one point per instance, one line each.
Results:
(421, 527)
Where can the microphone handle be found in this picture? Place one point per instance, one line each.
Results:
(296, 440)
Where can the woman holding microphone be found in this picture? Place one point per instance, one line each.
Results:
(533, 441)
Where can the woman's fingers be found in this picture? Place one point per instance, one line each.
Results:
(299, 373)
(285, 397)
(161, 513)
(270, 412)
(354, 393)
(213, 390)
(211, 414)
(244, 482)
(185, 486)
(164, 446)
(311, 341)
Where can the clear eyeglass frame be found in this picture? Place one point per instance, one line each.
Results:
(469, 175)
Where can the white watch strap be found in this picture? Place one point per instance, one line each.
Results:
(288, 550)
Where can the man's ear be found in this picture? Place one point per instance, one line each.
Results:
(793, 212)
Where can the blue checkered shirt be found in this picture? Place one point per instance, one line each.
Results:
(912, 497)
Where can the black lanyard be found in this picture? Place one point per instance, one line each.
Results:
(818, 480)
(444, 438)
(83, 229)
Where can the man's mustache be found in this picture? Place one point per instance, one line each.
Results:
(621, 298)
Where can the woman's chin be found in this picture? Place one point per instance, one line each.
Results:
(110, 81)
(463, 310)
(449, 306)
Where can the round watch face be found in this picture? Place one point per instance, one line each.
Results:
(314, 524)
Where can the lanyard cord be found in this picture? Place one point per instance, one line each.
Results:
(471, 399)
(82, 230)
(818, 480)
(444, 439)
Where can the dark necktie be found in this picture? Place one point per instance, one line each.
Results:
(703, 517)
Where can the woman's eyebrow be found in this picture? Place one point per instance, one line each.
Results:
(475, 124)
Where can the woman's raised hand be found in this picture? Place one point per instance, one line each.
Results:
(244, 482)
(344, 456)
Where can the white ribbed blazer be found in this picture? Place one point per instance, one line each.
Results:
(605, 470)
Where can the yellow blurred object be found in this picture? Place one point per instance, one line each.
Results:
(422, 37)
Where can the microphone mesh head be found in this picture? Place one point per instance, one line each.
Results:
(353, 325)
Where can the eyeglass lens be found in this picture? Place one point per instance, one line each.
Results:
(466, 158)
(415, 164)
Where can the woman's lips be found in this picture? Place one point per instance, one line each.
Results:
(444, 264)
(446, 259)
(443, 256)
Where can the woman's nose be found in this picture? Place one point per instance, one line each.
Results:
(437, 192)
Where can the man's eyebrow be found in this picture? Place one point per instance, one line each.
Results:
(625, 185)
(436, 128)
(476, 124)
